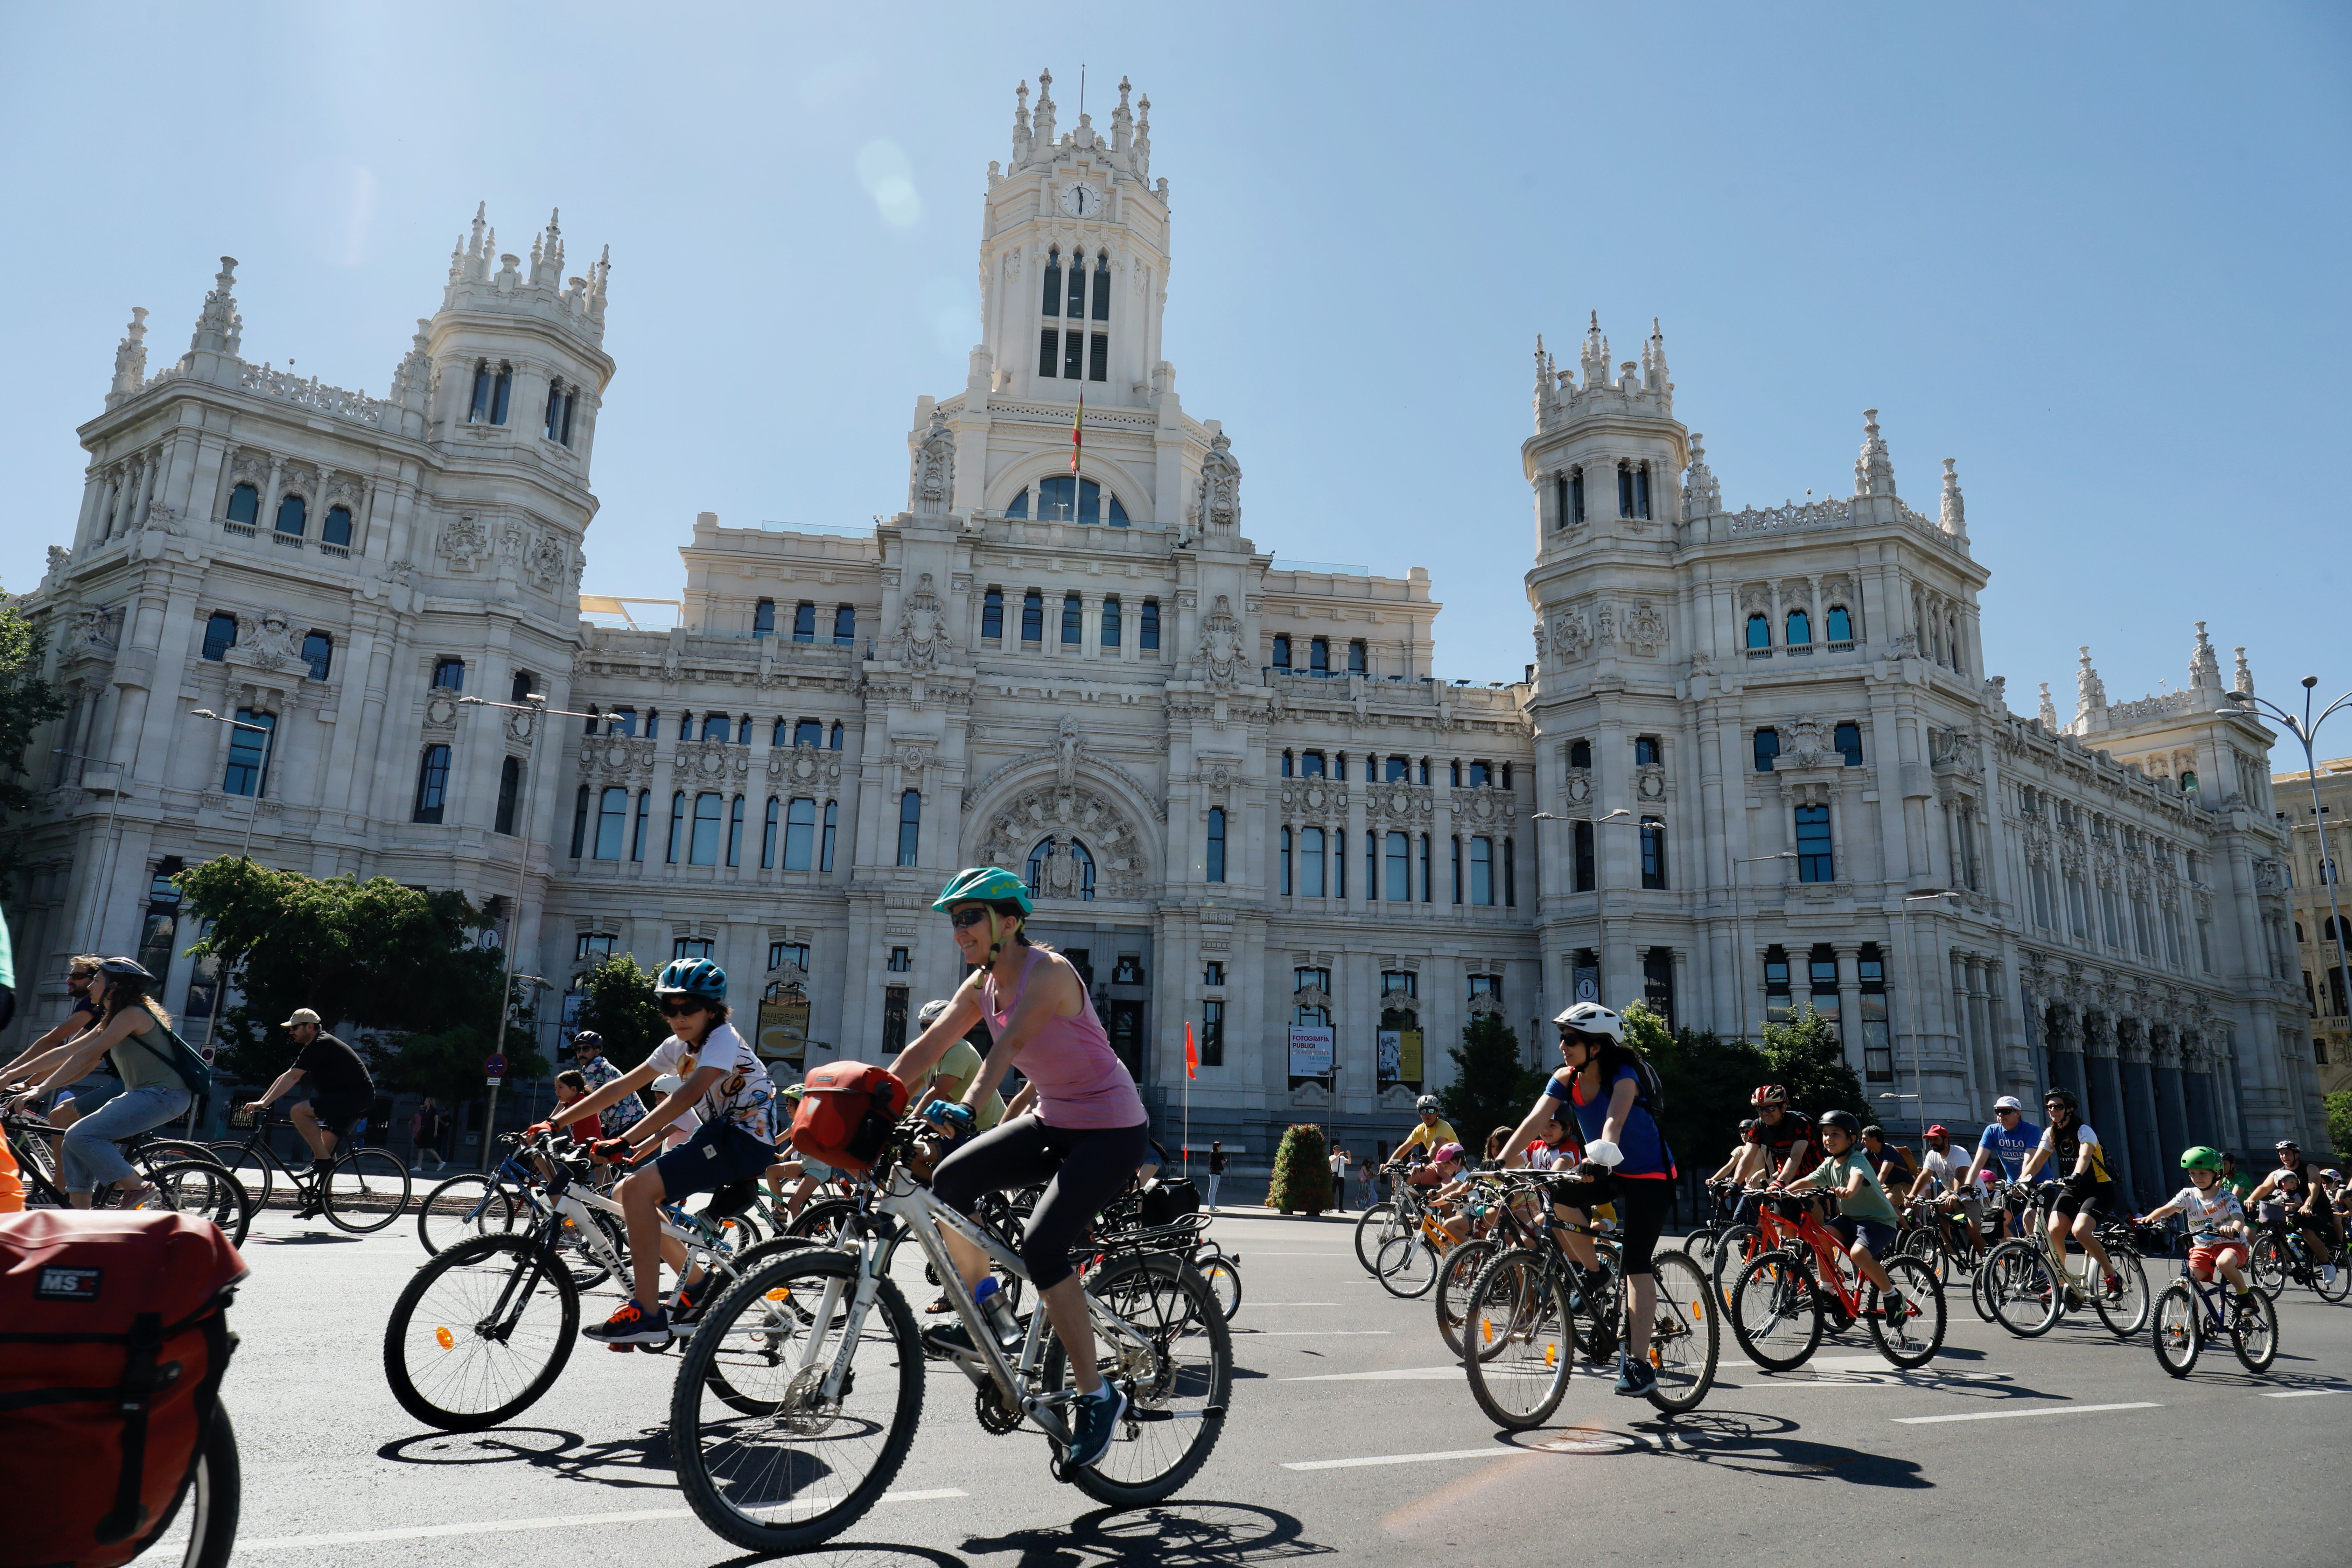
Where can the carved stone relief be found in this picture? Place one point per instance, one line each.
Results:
(1063, 813)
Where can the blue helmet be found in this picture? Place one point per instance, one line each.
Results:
(692, 977)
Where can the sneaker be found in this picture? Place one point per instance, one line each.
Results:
(2114, 1287)
(631, 1325)
(951, 1340)
(1635, 1379)
(2327, 1273)
(1890, 1306)
(686, 1308)
(1095, 1423)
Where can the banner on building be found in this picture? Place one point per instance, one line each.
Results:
(1310, 1050)
(1400, 1056)
(784, 1030)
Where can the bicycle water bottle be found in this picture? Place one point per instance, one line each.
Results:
(988, 1296)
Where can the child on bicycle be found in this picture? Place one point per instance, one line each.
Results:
(1865, 1220)
(2215, 1218)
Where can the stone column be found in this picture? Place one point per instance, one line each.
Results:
(2103, 1106)
(2062, 1027)
(2171, 1108)
(1849, 981)
(2141, 1133)
(2197, 1091)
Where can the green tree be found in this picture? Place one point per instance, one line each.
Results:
(618, 1001)
(1302, 1173)
(2339, 1123)
(26, 703)
(1706, 1082)
(1491, 1087)
(1803, 1057)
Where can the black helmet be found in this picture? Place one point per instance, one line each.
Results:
(1845, 1122)
(588, 1039)
(125, 969)
(2064, 1097)
(1747, 1124)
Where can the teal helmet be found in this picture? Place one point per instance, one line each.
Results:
(692, 977)
(986, 885)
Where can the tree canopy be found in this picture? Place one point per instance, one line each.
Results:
(1491, 1087)
(1803, 1057)
(1707, 1081)
(26, 703)
(618, 1001)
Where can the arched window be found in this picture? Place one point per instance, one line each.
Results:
(509, 793)
(1282, 652)
(248, 754)
(431, 785)
(1053, 302)
(809, 732)
(293, 515)
(1838, 623)
(1102, 288)
(1111, 621)
(910, 827)
(1043, 849)
(844, 625)
(703, 849)
(1311, 862)
(612, 822)
(1078, 307)
(1217, 844)
(220, 634)
(1759, 631)
(244, 505)
(1801, 629)
(714, 727)
(1768, 750)
(763, 618)
(799, 834)
(1318, 656)
(337, 530)
(318, 653)
(767, 835)
(502, 392)
(1019, 505)
(449, 674)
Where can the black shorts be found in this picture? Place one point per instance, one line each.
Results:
(1643, 1204)
(2093, 1197)
(336, 1112)
(1082, 1169)
(1877, 1235)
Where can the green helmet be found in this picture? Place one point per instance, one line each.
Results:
(2202, 1158)
(987, 885)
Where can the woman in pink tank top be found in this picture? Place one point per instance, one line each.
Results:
(1085, 1140)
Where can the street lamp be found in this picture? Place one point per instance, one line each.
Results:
(2307, 732)
(1599, 891)
(113, 842)
(1918, 1095)
(1739, 932)
(252, 816)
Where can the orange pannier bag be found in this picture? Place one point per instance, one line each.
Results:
(846, 1111)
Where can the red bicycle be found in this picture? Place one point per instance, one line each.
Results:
(1786, 1297)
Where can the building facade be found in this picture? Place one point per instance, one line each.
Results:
(1755, 764)
(2322, 914)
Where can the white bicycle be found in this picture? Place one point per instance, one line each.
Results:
(797, 1400)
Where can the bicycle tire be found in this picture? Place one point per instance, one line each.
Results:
(2254, 1332)
(164, 1150)
(477, 1274)
(204, 1188)
(1912, 1343)
(1457, 1271)
(2180, 1329)
(462, 1207)
(1774, 1306)
(250, 1164)
(2024, 1297)
(1372, 1229)
(2342, 1285)
(1685, 1333)
(1733, 1250)
(1978, 1297)
(213, 1495)
(2268, 1268)
(2126, 1314)
(824, 1223)
(1225, 1278)
(1408, 1267)
(1515, 1303)
(720, 1460)
(352, 1192)
(1185, 1387)
(1699, 1243)
(1929, 1247)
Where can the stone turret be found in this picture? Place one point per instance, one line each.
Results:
(129, 358)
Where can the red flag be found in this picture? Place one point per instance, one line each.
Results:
(1192, 1055)
(1077, 422)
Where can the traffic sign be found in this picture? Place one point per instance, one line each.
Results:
(206, 1053)
(495, 1081)
(495, 1067)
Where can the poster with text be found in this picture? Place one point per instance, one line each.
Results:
(1310, 1050)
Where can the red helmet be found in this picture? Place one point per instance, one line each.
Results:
(1769, 1094)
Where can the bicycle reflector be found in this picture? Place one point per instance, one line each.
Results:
(782, 1293)
(445, 1339)
(1551, 1354)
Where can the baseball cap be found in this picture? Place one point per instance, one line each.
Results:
(301, 1016)
(1937, 1130)
(2008, 1102)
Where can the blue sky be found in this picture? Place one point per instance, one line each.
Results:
(2093, 252)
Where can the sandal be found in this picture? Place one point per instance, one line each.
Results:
(941, 1305)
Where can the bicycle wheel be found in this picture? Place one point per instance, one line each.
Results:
(1733, 1250)
(1407, 1266)
(1699, 1246)
(1775, 1315)
(2180, 1329)
(1523, 1343)
(1177, 1383)
(2024, 1296)
(2270, 1266)
(1684, 1337)
(2336, 1289)
(251, 1164)
(211, 1496)
(1456, 1272)
(365, 1190)
(801, 1467)
(160, 1151)
(1225, 1278)
(201, 1187)
(2125, 1309)
(1927, 1246)
(2254, 1332)
(825, 1223)
(1375, 1226)
(1979, 1297)
(480, 1333)
(465, 1206)
(1912, 1340)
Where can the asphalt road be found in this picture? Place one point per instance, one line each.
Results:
(1351, 1433)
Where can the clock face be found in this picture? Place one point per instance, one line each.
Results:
(1081, 200)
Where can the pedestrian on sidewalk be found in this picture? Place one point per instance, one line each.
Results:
(1364, 1177)
(427, 1130)
(1339, 1177)
(1216, 1171)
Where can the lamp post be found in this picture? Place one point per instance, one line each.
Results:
(1600, 891)
(1739, 933)
(113, 842)
(252, 816)
(1918, 1095)
(2306, 734)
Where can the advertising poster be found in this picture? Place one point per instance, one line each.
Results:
(783, 1031)
(1390, 1044)
(1310, 1050)
(1408, 1055)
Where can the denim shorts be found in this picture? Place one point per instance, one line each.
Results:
(90, 1092)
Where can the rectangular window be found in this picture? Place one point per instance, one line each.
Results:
(1849, 743)
(1049, 352)
(592, 944)
(1286, 862)
(844, 625)
(795, 953)
(1587, 873)
(676, 826)
(693, 947)
(799, 834)
(580, 824)
(1074, 620)
(1487, 986)
(645, 811)
(1282, 652)
(1646, 751)
(1099, 357)
(1510, 874)
(1033, 616)
(1822, 969)
(431, 785)
(2040, 881)
(1654, 853)
(1481, 775)
(991, 614)
(248, 755)
(1111, 621)
(804, 622)
(510, 789)
(1310, 764)
(894, 1019)
(1216, 858)
(768, 834)
(1814, 861)
(1213, 1034)
(1340, 863)
(612, 823)
(763, 618)
(1074, 351)
(1102, 292)
(1777, 1008)
(703, 849)
(1877, 1042)
(1319, 655)
(1482, 869)
(832, 822)
(1428, 888)
(1147, 635)
(1212, 973)
(1658, 983)
(910, 828)
(1457, 868)
(1311, 862)
(1400, 868)
(735, 833)
(1768, 750)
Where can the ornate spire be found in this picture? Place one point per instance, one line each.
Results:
(598, 276)
(475, 249)
(1954, 518)
(2204, 666)
(2090, 691)
(1874, 471)
(1044, 122)
(412, 379)
(1594, 360)
(1020, 126)
(2049, 714)
(131, 357)
(219, 326)
(1122, 120)
(1142, 149)
(1543, 381)
(1654, 361)
(1701, 495)
(2245, 681)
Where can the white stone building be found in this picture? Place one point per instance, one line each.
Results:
(1242, 800)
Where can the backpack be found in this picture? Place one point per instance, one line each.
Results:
(1650, 1094)
(1164, 1202)
(113, 1340)
(193, 1070)
(846, 1114)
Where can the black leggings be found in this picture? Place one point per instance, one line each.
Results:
(1082, 1169)
(1642, 1207)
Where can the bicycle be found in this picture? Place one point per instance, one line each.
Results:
(1522, 1335)
(1945, 1239)
(2027, 1287)
(483, 1328)
(352, 1192)
(1393, 1216)
(203, 1187)
(2283, 1253)
(2191, 1311)
(501, 1200)
(822, 1347)
(1703, 1239)
(1510, 1219)
(1782, 1300)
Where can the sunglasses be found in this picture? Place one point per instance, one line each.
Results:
(672, 1009)
(960, 919)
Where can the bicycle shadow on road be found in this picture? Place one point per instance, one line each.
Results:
(1742, 1442)
(855, 1554)
(1165, 1535)
(302, 1239)
(640, 1460)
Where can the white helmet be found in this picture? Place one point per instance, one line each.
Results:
(1425, 1104)
(932, 1011)
(1592, 1018)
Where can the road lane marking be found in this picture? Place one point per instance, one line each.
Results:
(1294, 1303)
(485, 1527)
(1398, 1374)
(1497, 1452)
(2041, 1410)
(1317, 1333)
(2302, 1394)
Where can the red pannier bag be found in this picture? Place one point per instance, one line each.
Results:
(113, 1339)
(848, 1110)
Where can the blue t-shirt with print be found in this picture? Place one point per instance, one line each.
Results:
(2010, 1146)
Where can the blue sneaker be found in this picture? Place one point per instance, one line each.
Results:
(1635, 1378)
(1094, 1422)
(631, 1325)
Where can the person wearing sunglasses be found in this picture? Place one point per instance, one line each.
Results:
(1085, 1140)
(720, 1077)
(100, 1083)
(2007, 1140)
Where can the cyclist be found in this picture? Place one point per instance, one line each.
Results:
(343, 1091)
(135, 1028)
(597, 1071)
(1864, 1220)
(1779, 1135)
(1941, 1175)
(2008, 1138)
(721, 1079)
(1432, 1131)
(2215, 1218)
(100, 1084)
(2294, 1189)
(1087, 1138)
(1892, 1161)
(2235, 1178)
(2069, 1144)
(1626, 1161)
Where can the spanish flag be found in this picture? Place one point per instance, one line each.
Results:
(1192, 1055)
(1078, 438)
